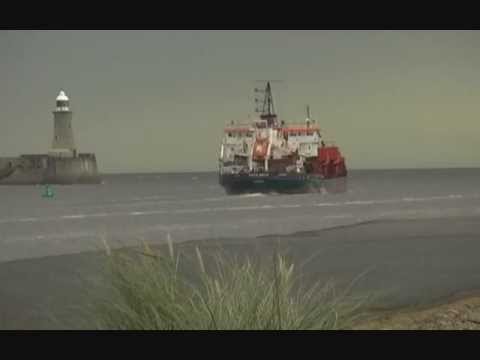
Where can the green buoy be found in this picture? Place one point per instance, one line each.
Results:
(48, 193)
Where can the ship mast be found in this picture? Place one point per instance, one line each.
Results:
(267, 111)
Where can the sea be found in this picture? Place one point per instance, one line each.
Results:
(131, 209)
(410, 236)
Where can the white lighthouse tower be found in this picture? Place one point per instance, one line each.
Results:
(63, 143)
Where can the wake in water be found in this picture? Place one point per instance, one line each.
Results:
(251, 195)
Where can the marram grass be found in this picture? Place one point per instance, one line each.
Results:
(150, 293)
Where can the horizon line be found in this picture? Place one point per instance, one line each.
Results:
(351, 169)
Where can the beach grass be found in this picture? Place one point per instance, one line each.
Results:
(149, 291)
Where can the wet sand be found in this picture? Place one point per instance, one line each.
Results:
(408, 264)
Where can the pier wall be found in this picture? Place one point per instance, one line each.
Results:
(45, 169)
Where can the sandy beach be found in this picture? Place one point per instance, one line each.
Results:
(461, 312)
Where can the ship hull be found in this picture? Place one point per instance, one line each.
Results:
(266, 183)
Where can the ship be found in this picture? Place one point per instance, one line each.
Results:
(268, 155)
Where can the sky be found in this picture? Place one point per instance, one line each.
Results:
(157, 101)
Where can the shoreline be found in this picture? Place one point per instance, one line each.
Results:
(420, 269)
(457, 312)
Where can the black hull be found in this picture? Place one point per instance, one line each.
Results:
(259, 183)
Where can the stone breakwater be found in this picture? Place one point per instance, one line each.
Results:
(45, 169)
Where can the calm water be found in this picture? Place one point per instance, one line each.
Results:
(128, 209)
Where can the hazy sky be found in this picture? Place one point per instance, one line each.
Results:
(157, 100)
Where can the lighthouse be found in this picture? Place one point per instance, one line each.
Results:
(63, 144)
(61, 165)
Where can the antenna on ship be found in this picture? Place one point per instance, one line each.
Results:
(309, 119)
(265, 105)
